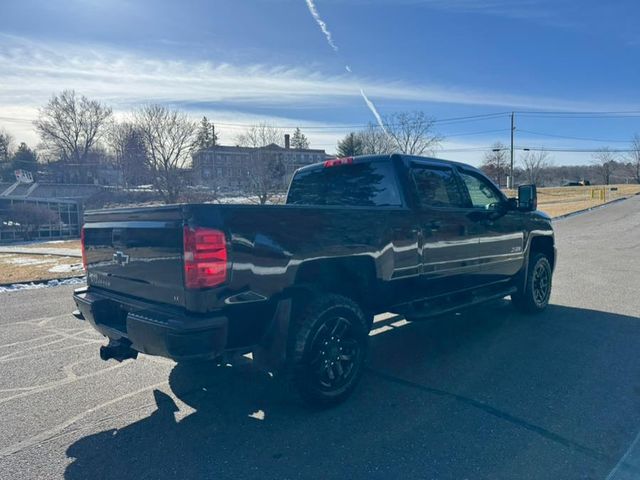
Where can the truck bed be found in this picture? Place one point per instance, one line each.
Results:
(139, 251)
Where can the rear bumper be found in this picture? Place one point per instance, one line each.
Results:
(152, 329)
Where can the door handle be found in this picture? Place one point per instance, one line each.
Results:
(434, 226)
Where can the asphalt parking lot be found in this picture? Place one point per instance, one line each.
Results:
(489, 393)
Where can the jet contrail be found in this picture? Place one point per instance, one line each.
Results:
(321, 24)
(373, 109)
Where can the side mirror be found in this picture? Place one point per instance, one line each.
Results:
(527, 198)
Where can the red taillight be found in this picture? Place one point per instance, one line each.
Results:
(205, 257)
(84, 250)
(334, 162)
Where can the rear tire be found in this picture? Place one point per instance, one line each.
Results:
(535, 296)
(328, 349)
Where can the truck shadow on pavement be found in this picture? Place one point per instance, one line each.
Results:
(477, 394)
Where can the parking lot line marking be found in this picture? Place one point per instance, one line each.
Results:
(52, 432)
(27, 341)
(58, 383)
(623, 469)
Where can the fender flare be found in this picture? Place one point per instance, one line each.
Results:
(534, 234)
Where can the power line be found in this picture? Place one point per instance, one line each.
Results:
(468, 118)
(436, 121)
(575, 150)
(572, 138)
(580, 115)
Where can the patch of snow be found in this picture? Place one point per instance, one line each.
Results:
(51, 283)
(66, 268)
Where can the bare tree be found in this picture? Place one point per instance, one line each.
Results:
(259, 135)
(30, 217)
(70, 126)
(605, 161)
(168, 137)
(375, 141)
(129, 152)
(495, 163)
(265, 179)
(412, 133)
(6, 146)
(634, 157)
(535, 163)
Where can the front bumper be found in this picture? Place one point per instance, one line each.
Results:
(152, 329)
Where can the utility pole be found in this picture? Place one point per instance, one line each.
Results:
(213, 133)
(513, 128)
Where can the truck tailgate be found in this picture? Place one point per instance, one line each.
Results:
(137, 252)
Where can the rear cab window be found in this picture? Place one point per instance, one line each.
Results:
(361, 184)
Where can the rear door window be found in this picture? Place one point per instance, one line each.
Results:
(436, 187)
(367, 184)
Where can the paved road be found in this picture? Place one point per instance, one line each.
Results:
(487, 394)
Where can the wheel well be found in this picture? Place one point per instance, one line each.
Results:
(351, 277)
(543, 244)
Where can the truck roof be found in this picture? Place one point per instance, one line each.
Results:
(372, 158)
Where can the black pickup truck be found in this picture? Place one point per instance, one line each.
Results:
(298, 284)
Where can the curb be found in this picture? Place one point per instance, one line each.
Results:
(585, 210)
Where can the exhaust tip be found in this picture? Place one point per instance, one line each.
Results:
(117, 351)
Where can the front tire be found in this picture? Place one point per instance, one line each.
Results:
(329, 349)
(534, 297)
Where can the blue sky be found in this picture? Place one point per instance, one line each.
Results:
(245, 61)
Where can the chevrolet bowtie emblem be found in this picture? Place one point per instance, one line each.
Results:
(119, 258)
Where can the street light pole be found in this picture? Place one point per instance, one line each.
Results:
(513, 128)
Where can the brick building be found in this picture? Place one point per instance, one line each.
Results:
(226, 166)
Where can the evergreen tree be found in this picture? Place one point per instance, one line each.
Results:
(206, 136)
(299, 140)
(25, 159)
(350, 146)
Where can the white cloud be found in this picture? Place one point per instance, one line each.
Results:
(31, 72)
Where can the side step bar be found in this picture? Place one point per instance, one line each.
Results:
(428, 311)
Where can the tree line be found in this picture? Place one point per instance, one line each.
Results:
(411, 133)
(153, 145)
(605, 166)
